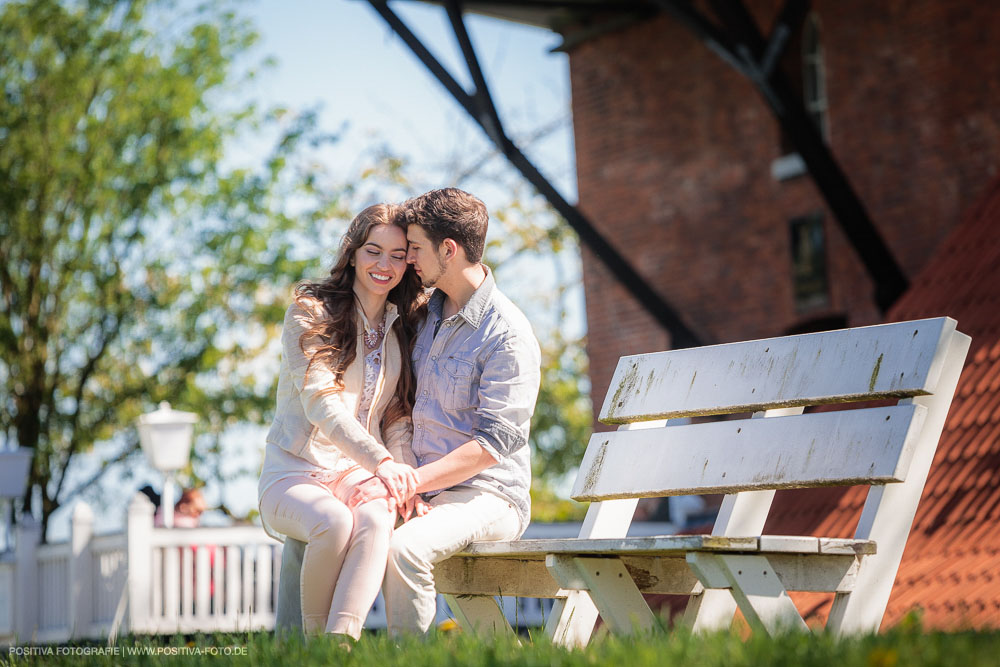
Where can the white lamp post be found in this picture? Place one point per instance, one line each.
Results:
(165, 436)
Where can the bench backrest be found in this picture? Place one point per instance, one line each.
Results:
(891, 449)
(872, 446)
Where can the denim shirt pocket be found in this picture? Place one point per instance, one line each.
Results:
(458, 395)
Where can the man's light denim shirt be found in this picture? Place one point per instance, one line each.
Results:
(478, 378)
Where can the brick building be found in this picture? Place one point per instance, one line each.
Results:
(683, 168)
(687, 171)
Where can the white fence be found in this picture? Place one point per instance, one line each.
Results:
(163, 581)
(147, 580)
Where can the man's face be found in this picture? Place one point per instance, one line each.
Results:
(426, 259)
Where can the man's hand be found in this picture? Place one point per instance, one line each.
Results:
(399, 478)
(371, 489)
(415, 505)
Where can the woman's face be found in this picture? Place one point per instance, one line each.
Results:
(380, 263)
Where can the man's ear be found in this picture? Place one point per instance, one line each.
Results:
(450, 248)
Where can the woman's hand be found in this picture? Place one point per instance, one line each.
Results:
(415, 505)
(400, 479)
(371, 489)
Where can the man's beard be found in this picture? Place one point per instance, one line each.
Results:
(428, 281)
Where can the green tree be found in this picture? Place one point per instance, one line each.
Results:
(138, 262)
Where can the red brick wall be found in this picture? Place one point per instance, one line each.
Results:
(674, 151)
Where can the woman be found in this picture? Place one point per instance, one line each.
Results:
(345, 393)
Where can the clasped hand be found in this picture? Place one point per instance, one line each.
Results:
(396, 483)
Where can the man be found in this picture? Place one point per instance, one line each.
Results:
(477, 366)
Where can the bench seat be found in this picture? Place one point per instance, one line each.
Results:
(665, 545)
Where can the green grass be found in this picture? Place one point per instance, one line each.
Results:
(902, 647)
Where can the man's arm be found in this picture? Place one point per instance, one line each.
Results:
(508, 388)
(458, 465)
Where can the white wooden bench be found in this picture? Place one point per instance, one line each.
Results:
(888, 448)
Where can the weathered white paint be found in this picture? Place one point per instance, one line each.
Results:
(753, 582)
(660, 545)
(575, 615)
(479, 614)
(889, 360)
(822, 449)
(663, 573)
(565, 627)
(889, 511)
(611, 588)
(741, 514)
(890, 448)
(515, 577)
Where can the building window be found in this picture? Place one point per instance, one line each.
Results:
(809, 278)
(802, 63)
(813, 74)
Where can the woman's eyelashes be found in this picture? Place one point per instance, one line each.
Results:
(396, 257)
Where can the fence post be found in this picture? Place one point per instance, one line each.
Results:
(26, 589)
(138, 535)
(81, 574)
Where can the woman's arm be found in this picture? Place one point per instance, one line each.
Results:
(398, 437)
(321, 400)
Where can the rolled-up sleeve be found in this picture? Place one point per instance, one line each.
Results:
(321, 400)
(508, 389)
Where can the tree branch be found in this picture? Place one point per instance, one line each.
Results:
(127, 451)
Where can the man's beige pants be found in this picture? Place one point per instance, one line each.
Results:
(457, 517)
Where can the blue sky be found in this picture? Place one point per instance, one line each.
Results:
(341, 56)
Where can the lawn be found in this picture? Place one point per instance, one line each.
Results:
(902, 647)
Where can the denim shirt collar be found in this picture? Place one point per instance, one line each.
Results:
(474, 310)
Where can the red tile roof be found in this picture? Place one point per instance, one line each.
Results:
(951, 566)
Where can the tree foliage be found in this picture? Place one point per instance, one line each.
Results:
(140, 262)
(137, 262)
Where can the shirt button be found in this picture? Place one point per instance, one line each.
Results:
(420, 425)
(425, 392)
(435, 358)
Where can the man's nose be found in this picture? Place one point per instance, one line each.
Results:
(411, 257)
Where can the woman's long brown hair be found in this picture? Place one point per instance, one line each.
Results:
(339, 329)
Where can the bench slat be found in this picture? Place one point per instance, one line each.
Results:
(869, 446)
(466, 575)
(885, 361)
(665, 545)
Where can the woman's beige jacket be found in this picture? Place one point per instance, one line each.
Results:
(317, 422)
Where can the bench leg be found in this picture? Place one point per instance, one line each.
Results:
(615, 595)
(572, 620)
(479, 614)
(711, 609)
(760, 595)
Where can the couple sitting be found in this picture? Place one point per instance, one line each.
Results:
(392, 405)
